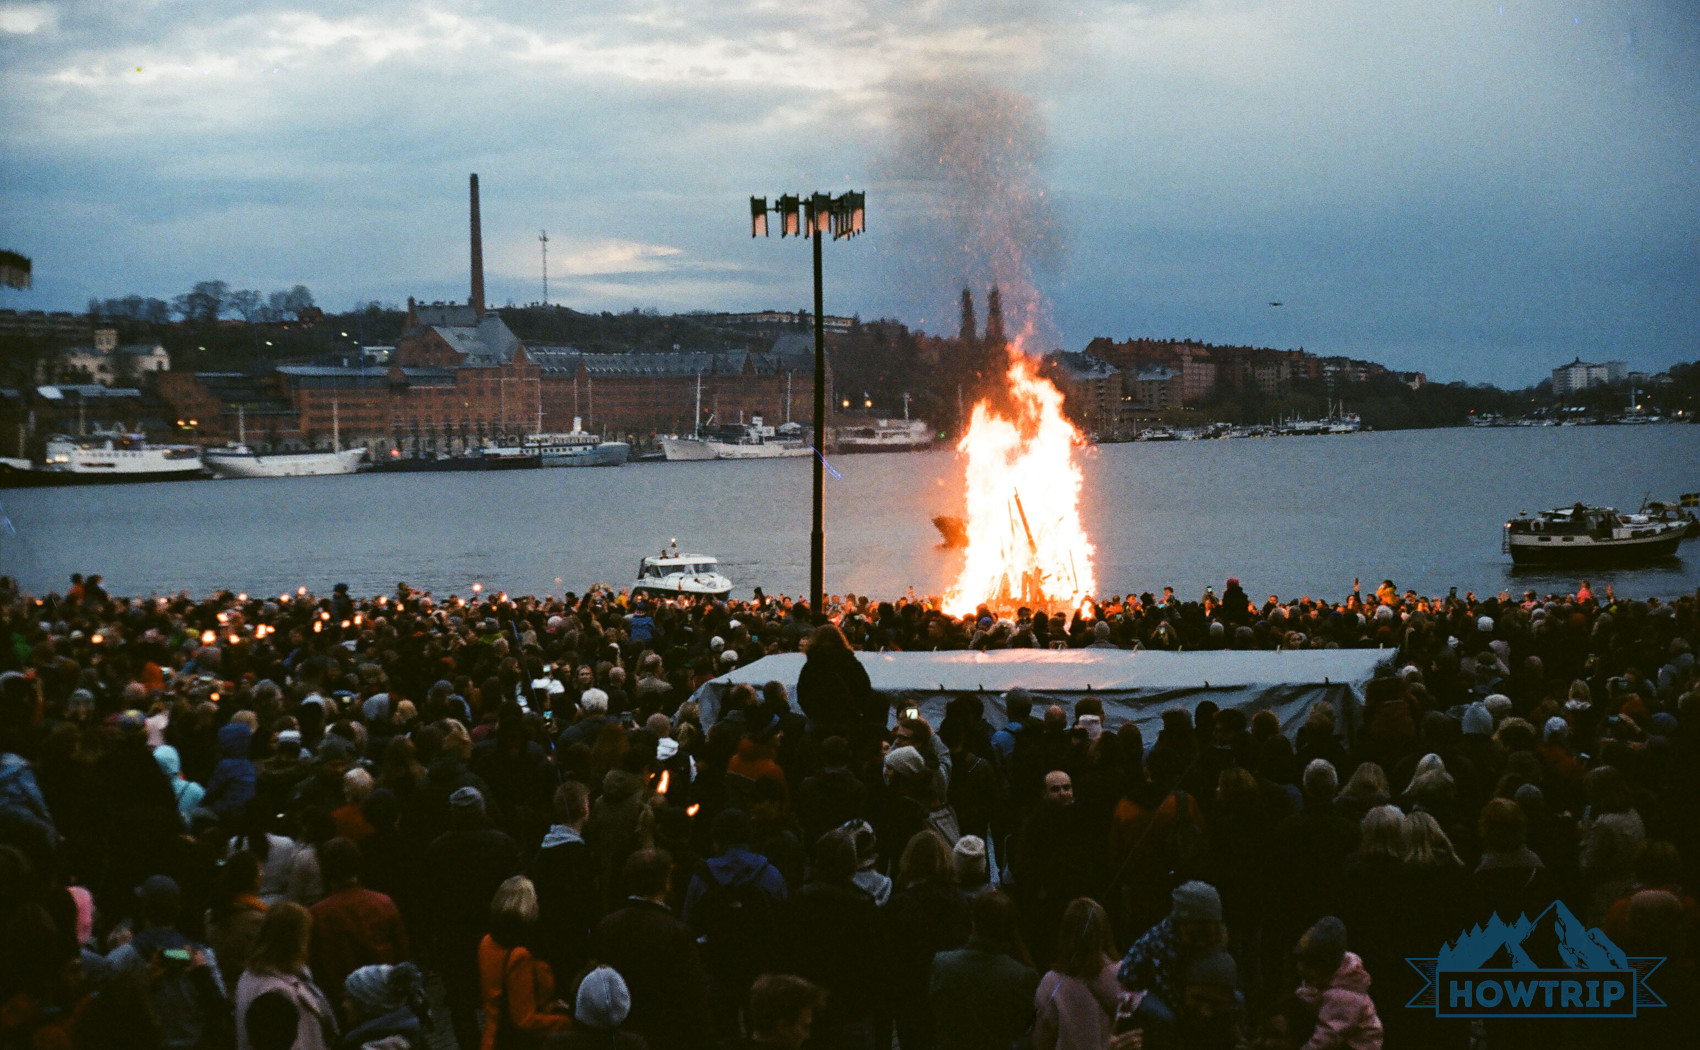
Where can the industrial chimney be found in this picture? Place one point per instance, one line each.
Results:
(477, 300)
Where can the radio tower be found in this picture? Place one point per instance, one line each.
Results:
(543, 239)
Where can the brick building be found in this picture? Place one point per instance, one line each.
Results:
(1091, 389)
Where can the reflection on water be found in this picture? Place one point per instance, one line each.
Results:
(1289, 516)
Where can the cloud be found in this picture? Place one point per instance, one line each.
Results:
(1470, 186)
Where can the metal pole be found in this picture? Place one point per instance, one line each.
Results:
(817, 539)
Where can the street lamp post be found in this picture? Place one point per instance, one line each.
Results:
(843, 216)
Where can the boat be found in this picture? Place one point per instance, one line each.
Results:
(1156, 434)
(575, 448)
(398, 462)
(104, 457)
(672, 574)
(752, 440)
(885, 435)
(1580, 535)
(241, 461)
(1680, 511)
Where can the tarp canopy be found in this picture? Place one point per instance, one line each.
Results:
(1133, 686)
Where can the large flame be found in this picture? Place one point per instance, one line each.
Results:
(1026, 545)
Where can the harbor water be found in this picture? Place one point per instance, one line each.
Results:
(1288, 516)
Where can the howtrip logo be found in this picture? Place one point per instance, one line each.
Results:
(1552, 966)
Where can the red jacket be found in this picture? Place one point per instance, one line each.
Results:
(353, 928)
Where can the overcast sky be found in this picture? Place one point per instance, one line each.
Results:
(1477, 189)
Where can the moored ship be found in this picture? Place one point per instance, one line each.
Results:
(885, 435)
(105, 458)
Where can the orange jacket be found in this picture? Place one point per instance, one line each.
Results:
(529, 987)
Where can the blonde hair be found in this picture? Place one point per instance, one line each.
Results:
(1367, 780)
(1425, 842)
(1381, 833)
(281, 946)
(515, 899)
(356, 784)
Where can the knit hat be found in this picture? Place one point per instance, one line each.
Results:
(467, 800)
(1093, 725)
(376, 708)
(970, 856)
(383, 989)
(1663, 723)
(1485, 624)
(1556, 729)
(130, 724)
(1195, 900)
(289, 738)
(1323, 945)
(1498, 705)
(904, 761)
(1477, 721)
(603, 999)
(1214, 969)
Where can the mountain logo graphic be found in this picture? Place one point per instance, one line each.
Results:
(1551, 966)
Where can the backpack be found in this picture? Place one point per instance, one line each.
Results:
(1185, 848)
(737, 924)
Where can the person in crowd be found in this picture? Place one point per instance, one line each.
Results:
(1075, 1003)
(982, 993)
(188, 995)
(517, 986)
(782, 1012)
(834, 938)
(928, 913)
(1336, 983)
(833, 689)
(1052, 860)
(569, 890)
(734, 902)
(464, 868)
(279, 967)
(657, 955)
(385, 1005)
(233, 923)
(1156, 963)
(600, 1009)
(352, 926)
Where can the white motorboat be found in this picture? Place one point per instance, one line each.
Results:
(885, 435)
(241, 461)
(673, 574)
(1591, 536)
(753, 440)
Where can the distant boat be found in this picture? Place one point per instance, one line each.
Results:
(1591, 536)
(240, 461)
(671, 573)
(885, 435)
(753, 440)
(105, 457)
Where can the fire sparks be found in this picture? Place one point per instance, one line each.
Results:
(1026, 544)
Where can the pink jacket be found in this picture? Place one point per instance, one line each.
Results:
(1345, 1014)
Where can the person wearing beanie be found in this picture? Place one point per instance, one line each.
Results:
(1156, 963)
(384, 1002)
(1477, 720)
(463, 868)
(1209, 1012)
(599, 1010)
(972, 867)
(1337, 985)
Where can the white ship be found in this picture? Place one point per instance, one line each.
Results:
(575, 449)
(752, 440)
(885, 435)
(1591, 536)
(671, 573)
(242, 461)
(115, 456)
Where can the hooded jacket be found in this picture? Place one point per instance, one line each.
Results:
(1345, 1014)
(189, 793)
(233, 779)
(21, 797)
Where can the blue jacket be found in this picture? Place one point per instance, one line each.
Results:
(737, 866)
(232, 782)
(21, 796)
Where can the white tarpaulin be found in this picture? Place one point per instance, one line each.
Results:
(1133, 686)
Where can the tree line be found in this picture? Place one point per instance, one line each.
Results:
(209, 301)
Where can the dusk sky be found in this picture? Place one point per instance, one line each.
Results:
(1476, 189)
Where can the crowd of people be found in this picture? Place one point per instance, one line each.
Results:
(299, 821)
